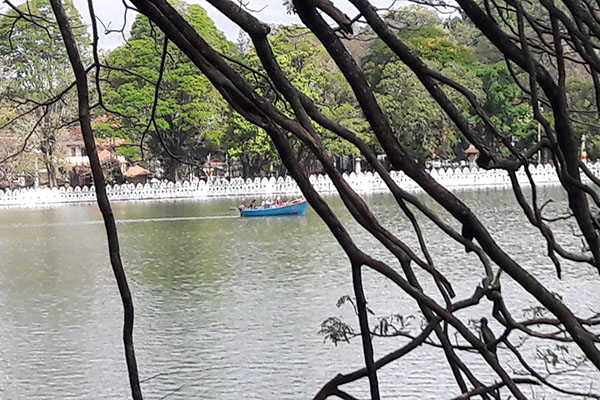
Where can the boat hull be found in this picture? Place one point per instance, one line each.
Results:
(292, 209)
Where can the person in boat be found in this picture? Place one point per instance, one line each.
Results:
(267, 203)
(278, 202)
(253, 204)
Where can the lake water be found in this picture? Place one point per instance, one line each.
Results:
(230, 308)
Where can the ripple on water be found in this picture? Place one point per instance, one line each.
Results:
(226, 308)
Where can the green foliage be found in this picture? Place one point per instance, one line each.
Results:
(193, 120)
(131, 153)
(420, 124)
(559, 355)
(424, 32)
(191, 115)
(413, 17)
(306, 63)
(35, 68)
(440, 49)
(581, 97)
(505, 104)
(414, 115)
(393, 325)
(417, 119)
(248, 145)
(336, 330)
(464, 33)
(35, 58)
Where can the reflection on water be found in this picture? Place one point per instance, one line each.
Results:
(225, 307)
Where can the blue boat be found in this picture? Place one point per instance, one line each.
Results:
(286, 209)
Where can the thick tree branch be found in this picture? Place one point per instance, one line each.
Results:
(102, 198)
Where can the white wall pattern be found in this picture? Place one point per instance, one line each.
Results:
(257, 187)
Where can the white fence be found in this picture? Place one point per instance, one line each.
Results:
(238, 187)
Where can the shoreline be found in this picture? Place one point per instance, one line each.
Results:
(364, 183)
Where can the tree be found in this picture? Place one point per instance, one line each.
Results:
(581, 93)
(303, 58)
(559, 137)
(419, 121)
(524, 39)
(507, 106)
(248, 145)
(35, 68)
(190, 116)
(17, 160)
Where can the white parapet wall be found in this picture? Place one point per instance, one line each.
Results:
(238, 187)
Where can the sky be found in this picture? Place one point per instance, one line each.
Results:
(271, 11)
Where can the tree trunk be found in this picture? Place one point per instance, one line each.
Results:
(246, 165)
(174, 170)
(101, 195)
(48, 156)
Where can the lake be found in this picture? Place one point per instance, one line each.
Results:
(230, 308)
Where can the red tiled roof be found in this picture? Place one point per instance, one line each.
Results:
(105, 155)
(215, 163)
(471, 150)
(136, 171)
(110, 142)
(100, 119)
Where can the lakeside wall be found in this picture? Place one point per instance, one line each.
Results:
(258, 187)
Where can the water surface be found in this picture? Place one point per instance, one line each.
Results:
(228, 307)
